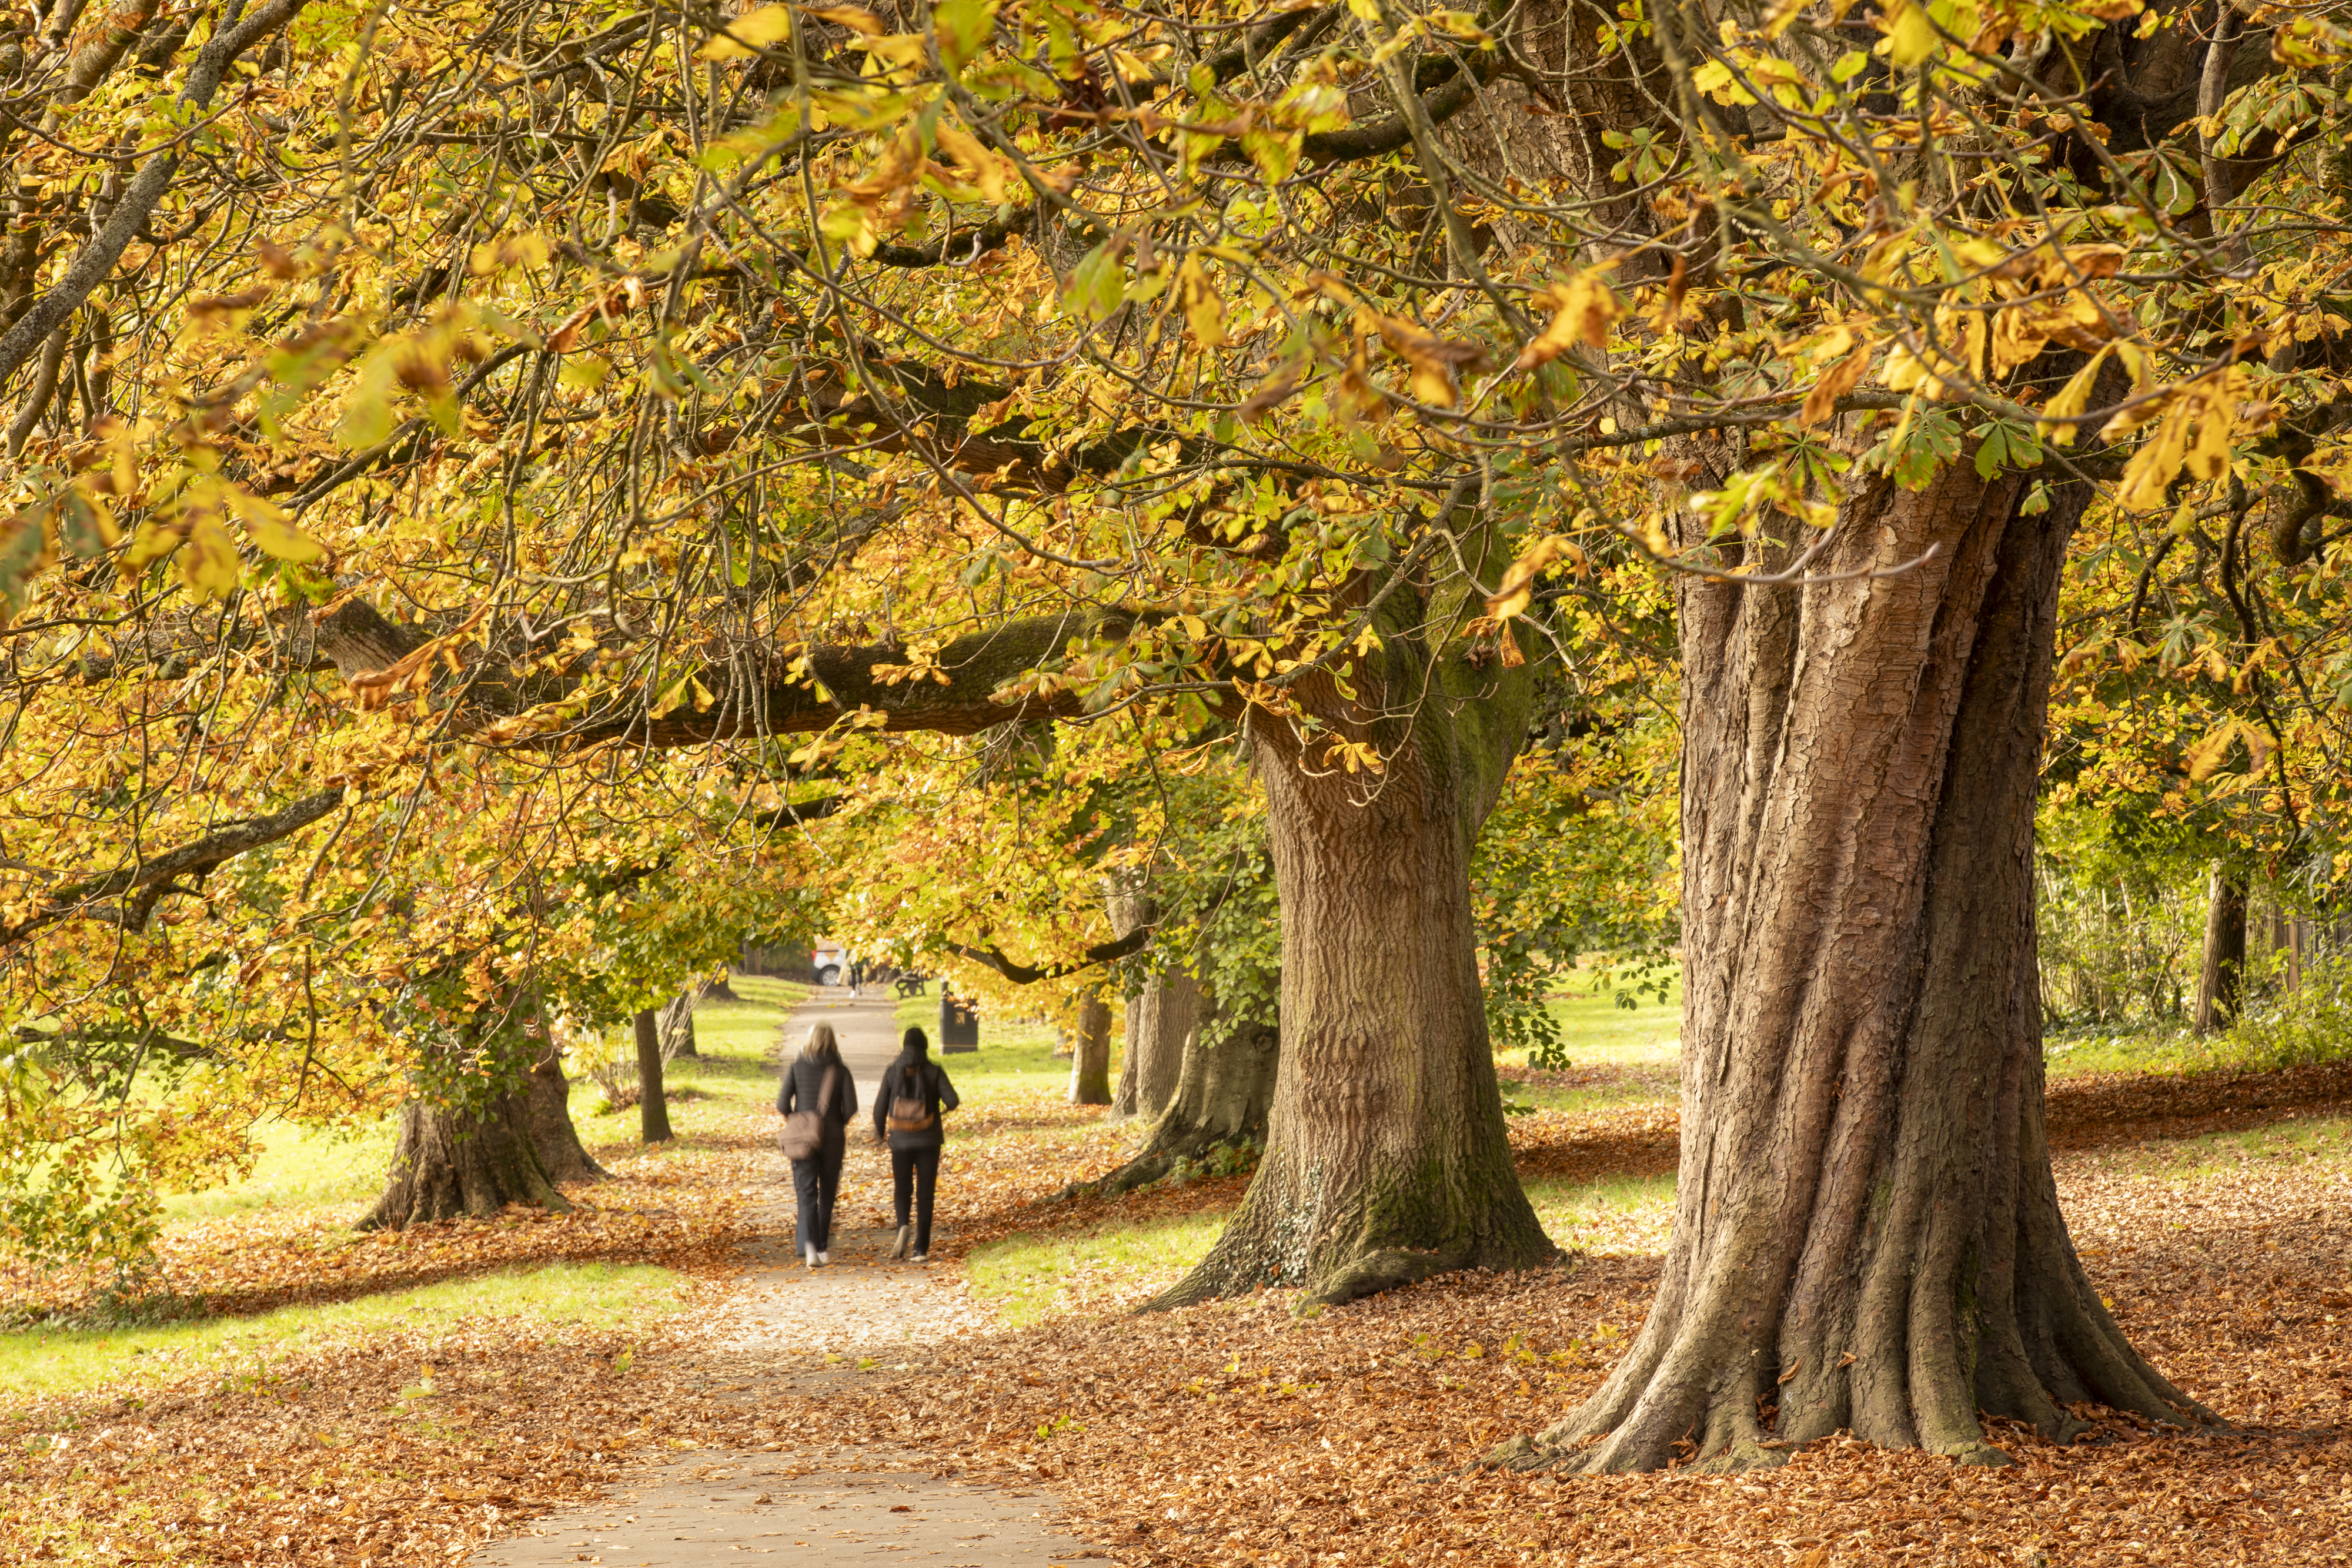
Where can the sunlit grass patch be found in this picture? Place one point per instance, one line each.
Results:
(2325, 1141)
(1616, 1215)
(2075, 1054)
(558, 1296)
(1025, 1279)
(298, 1168)
(1012, 1055)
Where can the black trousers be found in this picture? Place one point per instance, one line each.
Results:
(815, 1182)
(917, 1169)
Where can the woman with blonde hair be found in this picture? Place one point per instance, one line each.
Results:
(816, 1099)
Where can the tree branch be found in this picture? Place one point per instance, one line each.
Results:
(1132, 943)
(197, 858)
(97, 260)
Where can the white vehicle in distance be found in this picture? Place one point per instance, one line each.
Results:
(830, 963)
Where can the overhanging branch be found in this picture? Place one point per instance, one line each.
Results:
(1134, 942)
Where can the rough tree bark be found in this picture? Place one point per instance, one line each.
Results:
(1223, 1091)
(1161, 1022)
(2223, 973)
(1867, 1234)
(450, 1163)
(1090, 1052)
(653, 1104)
(1386, 1157)
(547, 1112)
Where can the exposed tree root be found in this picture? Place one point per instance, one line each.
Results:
(448, 1164)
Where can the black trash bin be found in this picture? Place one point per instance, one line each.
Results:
(959, 1024)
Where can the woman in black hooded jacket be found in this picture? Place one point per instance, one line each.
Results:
(915, 1091)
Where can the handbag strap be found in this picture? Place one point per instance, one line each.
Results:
(825, 1095)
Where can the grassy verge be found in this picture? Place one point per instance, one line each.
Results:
(1618, 1215)
(528, 1302)
(1027, 1279)
(1012, 1055)
(298, 1168)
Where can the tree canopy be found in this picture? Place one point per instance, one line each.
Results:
(490, 476)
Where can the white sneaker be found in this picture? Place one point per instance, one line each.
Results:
(899, 1248)
(920, 1258)
(824, 1259)
(808, 1254)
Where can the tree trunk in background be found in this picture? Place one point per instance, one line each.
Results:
(1161, 1022)
(2218, 982)
(677, 1020)
(449, 1163)
(653, 1105)
(547, 1111)
(1223, 1095)
(1386, 1157)
(1090, 1054)
(1866, 1232)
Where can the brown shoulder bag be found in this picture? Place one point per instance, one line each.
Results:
(803, 1132)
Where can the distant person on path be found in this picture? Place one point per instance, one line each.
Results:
(915, 1093)
(818, 1082)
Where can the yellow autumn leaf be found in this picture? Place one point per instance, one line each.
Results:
(2202, 759)
(1204, 312)
(855, 18)
(1840, 379)
(748, 34)
(1582, 308)
(209, 562)
(271, 528)
(2055, 424)
(1910, 35)
(987, 168)
(1511, 595)
(2152, 467)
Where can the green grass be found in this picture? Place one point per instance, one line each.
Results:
(1630, 1053)
(2076, 1053)
(1011, 1055)
(298, 1168)
(50, 1362)
(1618, 1214)
(1027, 1279)
(733, 1073)
(2322, 1141)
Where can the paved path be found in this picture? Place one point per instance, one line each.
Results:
(848, 1506)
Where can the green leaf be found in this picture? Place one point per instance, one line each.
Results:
(962, 26)
(24, 551)
(1098, 284)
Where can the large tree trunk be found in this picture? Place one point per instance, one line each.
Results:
(449, 1163)
(1866, 1231)
(1160, 1022)
(547, 1112)
(1386, 1157)
(653, 1104)
(1224, 1089)
(2222, 975)
(1090, 1052)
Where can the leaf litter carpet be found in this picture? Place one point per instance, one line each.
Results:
(1241, 1433)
